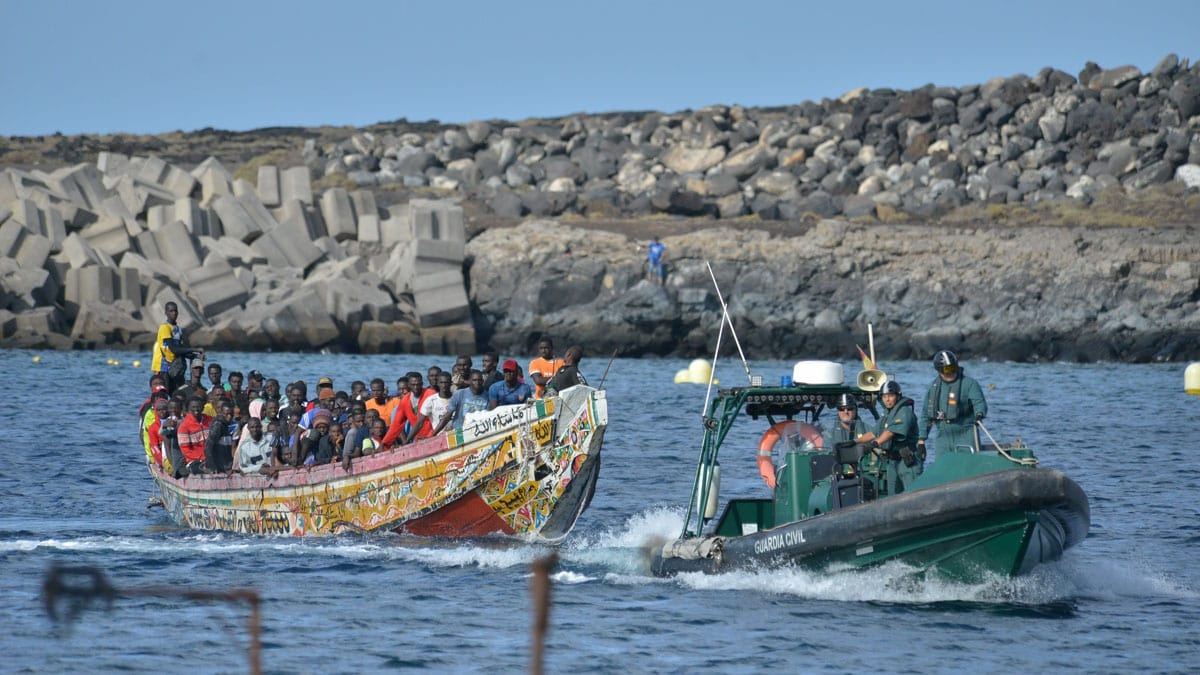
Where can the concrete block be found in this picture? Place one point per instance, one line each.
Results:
(24, 289)
(212, 164)
(40, 321)
(8, 323)
(437, 219)
(133, 195)
(90, 183)
(258, 213)
(149, 270)
(77, 252)
(451, 252)
(176, 246)
(56, 228)
(152, 170)
(213, 184)
(368, 228)
(284, 248)
(146, 245)
(339, 214)
(109, 235)
(5, 213)
(11, 234)
(232, 252)
(295, 183)
(112, 163)
(441, 299)
(178, 182)
(8, 189)
(27, 213)
(100, 324)
(330, 248)
(241, 186)
(377, 337)
(115, 209)
(457, 338)
(301, 218)
(188, 212)
(396, 227)
(235, 221)
(215, 288)
(89, 285)
(129, 286)
(268, 186)
(157, 216)
(33, 251)
(364, 203)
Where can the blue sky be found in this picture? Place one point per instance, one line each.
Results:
(149, 67)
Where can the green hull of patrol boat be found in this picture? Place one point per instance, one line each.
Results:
(971, 514)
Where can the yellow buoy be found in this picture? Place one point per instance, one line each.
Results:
(137, 364)
(700, 371)
(116, 362)
(1191, 379)
(37, 359)
(683, 377)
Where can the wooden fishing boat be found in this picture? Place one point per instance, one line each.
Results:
(526, 470)
(974, 512)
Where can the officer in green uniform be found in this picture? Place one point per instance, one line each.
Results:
(953, 405)
(848, 427)
(896, 435)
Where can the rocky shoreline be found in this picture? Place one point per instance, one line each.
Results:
(454, 238)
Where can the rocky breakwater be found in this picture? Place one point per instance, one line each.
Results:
(1024, 294)
(90, 253)
(874, 153)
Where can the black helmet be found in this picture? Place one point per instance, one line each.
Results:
(847, 401)
(890, 387)
(944, 358)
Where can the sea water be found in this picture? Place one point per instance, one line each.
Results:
(74, 492)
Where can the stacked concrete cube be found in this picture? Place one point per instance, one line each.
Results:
(93, 251)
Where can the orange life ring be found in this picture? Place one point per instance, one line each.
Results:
(780, 430)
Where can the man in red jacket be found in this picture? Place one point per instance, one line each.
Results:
(407, 412)
(193, 436)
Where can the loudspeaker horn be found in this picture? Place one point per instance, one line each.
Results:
(871, 380)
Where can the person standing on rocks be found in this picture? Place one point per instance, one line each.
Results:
(171, 352)
(953, 405)
(655, 259)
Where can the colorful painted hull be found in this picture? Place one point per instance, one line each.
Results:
(525, 470)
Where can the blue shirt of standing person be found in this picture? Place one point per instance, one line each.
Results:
(655, 257)
(510, 390)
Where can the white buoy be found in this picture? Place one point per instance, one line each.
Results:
(683, 377)
(37, 359)
(137, 364)
(1191, 379)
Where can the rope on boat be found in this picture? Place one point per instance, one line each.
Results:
(1023, 461)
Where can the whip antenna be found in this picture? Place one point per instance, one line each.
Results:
(725, 318)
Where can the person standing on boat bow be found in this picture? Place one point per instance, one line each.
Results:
(953, 405)
(896, 435)
(171, 353)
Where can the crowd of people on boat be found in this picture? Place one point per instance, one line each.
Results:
(248, 423)
(954, 404)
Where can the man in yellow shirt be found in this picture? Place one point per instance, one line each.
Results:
(544, 366)
(170, 350)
